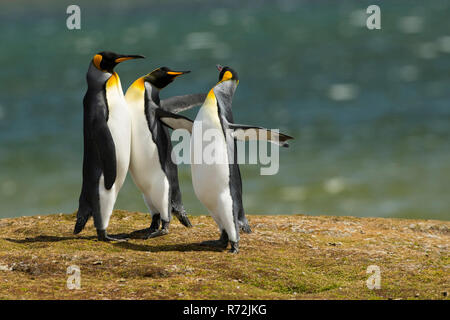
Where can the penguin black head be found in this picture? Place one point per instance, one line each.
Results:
(163, 76)
(226, 73)
(106, 60)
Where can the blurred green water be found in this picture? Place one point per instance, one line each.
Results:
(370, 110)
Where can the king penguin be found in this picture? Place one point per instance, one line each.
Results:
(107, 142)
(218, 184)
(151, 166)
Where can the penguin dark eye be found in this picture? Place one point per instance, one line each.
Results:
(107, 64)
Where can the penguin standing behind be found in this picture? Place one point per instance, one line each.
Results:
(151, 165)
(107, 139)
(218, 185)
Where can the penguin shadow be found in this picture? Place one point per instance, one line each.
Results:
(195, 246)
(45, 238)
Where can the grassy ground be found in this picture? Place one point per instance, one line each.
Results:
(286, 257)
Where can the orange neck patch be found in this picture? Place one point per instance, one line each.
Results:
(139, 84)
(113, 81)
(211, 98)
(211, 94)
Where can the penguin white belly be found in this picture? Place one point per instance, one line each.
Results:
(119, 124)
(211, 181)
(145, 167)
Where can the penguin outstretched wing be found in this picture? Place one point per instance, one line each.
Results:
(106, 149)
(181, 103)
(174, 121)
(244, 132)
(240, 131)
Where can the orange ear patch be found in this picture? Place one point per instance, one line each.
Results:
(227, 76)
(97, 59)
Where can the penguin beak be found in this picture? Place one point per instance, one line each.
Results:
(219, 67)
(123, 58)
(177, 73)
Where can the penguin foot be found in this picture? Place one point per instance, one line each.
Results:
(145, 233)
(162, 232)
(215, 243)
(142, 234)
(234, 247)
(222, 243)
(158, 233)
(103, 236)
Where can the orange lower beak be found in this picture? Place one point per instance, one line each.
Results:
(177, 73)
(128, 57)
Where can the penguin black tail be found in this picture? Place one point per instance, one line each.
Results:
(244, 226)
(184, 221)
(82, 218)
(182, 217)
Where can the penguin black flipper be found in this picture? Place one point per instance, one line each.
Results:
(182, 103)
(99, 157)
(106, 150)
(244, 132)
(174, 121)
